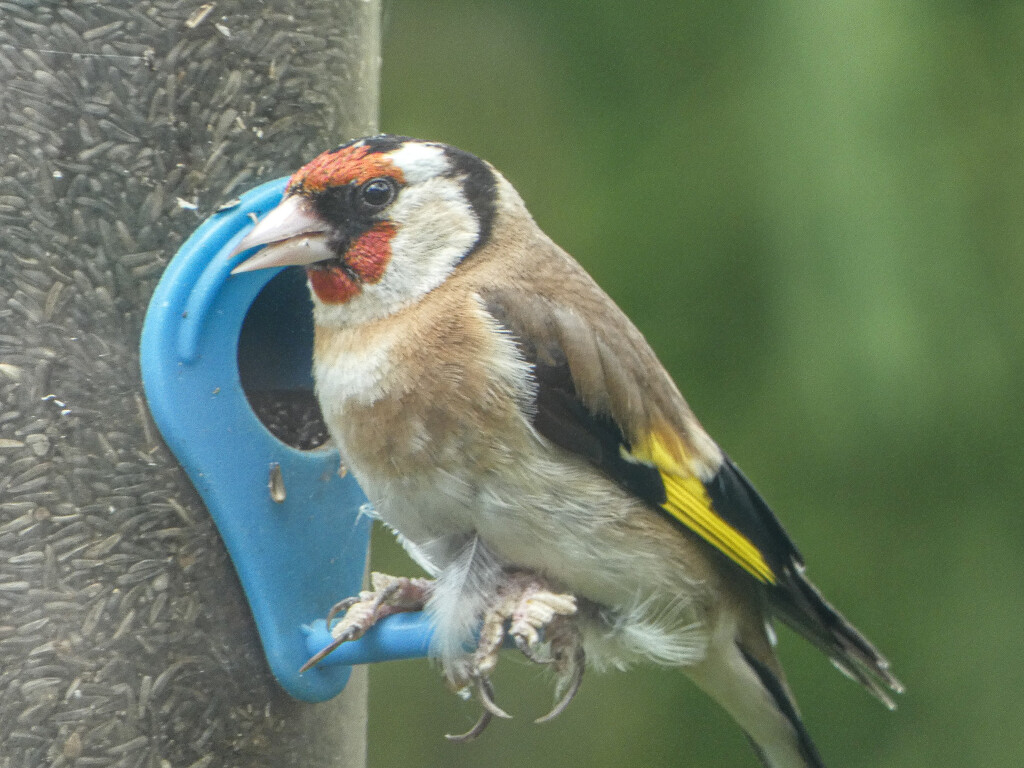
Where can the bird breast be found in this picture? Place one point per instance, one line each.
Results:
(415, 402)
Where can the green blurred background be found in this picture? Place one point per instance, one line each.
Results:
(814, 212)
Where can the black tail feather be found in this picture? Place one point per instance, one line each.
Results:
(801, 605)
(786, 706)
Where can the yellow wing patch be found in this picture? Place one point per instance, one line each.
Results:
(688, 502)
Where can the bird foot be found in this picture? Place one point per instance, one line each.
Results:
(389, 595)
(539, 622)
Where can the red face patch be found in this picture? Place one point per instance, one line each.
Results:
(343, 166)
(367, 257)
(332, 285)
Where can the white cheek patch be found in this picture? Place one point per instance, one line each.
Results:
(419, 162)
(435, 227)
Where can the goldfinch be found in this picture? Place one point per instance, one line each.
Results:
(518, 434)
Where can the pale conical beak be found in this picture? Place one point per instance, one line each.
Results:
(292, 233)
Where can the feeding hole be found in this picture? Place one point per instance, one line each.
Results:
(275, 360)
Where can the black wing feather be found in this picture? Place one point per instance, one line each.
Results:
(564, 420)
(738, 503)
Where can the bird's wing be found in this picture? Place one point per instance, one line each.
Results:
(603, 394)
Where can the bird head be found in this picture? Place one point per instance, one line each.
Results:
(377, 223)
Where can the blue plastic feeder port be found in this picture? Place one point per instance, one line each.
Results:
(296, 530)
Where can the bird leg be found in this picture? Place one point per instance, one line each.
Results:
(539, 622)
(389, 595)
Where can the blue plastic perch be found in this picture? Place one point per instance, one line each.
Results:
(296, 552)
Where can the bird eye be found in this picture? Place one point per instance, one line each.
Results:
(376, 193)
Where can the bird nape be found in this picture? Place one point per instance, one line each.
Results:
(518, 434)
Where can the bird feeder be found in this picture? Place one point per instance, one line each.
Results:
(126, 639)
(226, 363)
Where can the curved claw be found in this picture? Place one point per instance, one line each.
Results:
(343, 638)
(342, 605)
(472, 733)
(579, 666)
(485, 691)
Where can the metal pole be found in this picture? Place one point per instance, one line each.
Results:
(125, 640)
